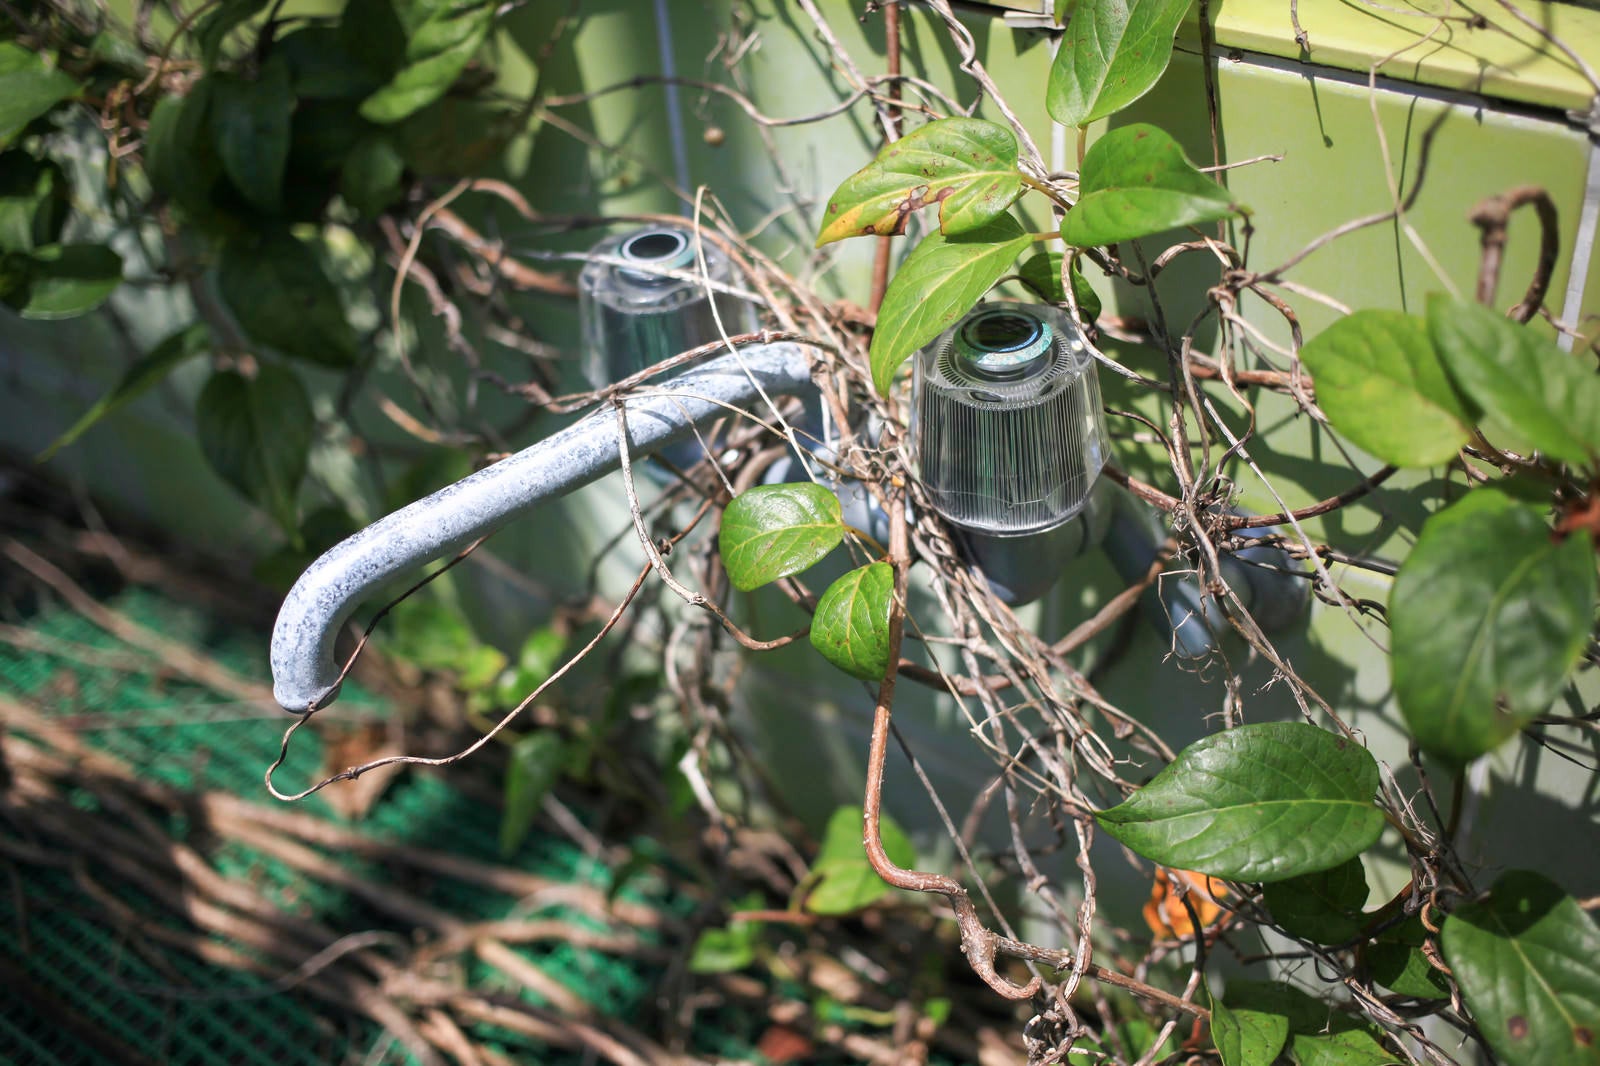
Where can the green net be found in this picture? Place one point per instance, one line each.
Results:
(104, 986)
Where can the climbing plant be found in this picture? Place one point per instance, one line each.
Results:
(1490, 616)
(253, 159)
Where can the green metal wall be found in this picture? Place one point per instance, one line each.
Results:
(1321, 117)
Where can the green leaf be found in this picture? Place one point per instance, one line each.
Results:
(941, 280)
(370, 179)
(772, 531)
(1396, 962)
(1346, 1041)
(844, 882)
(444, 36)
(139, 378)
(534, 769)
(1381, 384)
(851, 625)
(1114, 51)
(1136, 182)
(67, 280)
(319, 531)
(1247, 1037)
(250, 125)
(256, 433)
(29, 87)
(541, 655)
(965, 165)
(1042, 274)
(435, 636)
(1319, 1035)
(1525, 961)
(1520, 377)
(1323, 907)
(180, 155)
(725, 950)
(373, 36)
(226, 17)
(1487, 617)
(841, 840)
(321, 66)
(455, 137)
(35, 196)
(280, 294)
(434, 468)
(1261, 802)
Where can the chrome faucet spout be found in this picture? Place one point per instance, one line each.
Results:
(304, 672)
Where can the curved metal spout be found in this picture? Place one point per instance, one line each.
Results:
(304, 673)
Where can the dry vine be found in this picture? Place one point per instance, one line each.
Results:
(1060, 749)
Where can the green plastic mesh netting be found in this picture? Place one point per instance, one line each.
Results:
(89, 960)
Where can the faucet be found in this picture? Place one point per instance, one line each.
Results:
(305, 675)
(1010, 437)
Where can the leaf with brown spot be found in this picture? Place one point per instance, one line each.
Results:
(1525, 961)
(965, 165)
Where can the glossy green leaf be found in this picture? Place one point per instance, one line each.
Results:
(1042, 274)
(1520, 377)
(1323, 907)
(139, 378)
(533, 770)
(1318, 1034)
(1247, 1037)
(1136, 182)
(29, 87)
(67, 280)
(1525, 961)
(1487, 616)
(1395, 961)
(965, 165)
(772, 531)
(280, 294)
(443, 37)
(250, 125)
(370, 178)
(1261, 802)
(843, 881)
(1380, 382)
(256, 433)
(851, 625)
(223, 19)
(35, 196)
(942, 279)
(1113, 52)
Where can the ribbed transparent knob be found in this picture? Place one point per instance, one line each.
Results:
(641, 301)
(1009, 430)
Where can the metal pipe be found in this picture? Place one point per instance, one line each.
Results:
(304, 671)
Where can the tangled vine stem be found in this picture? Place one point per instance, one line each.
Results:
(1493, 218)
(980, 944)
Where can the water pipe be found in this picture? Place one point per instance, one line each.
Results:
(305, 674)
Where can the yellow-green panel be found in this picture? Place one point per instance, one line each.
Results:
(1480, 48)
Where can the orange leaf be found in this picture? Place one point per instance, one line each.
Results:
(1166, 914)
